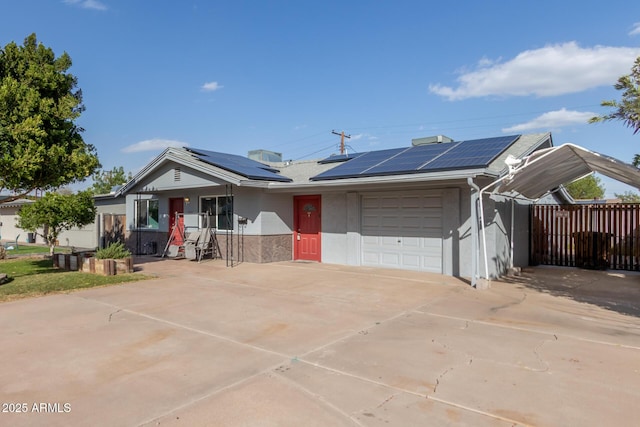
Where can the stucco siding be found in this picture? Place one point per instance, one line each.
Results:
(173, 176)
(464, 233)
(8, 230)
(334, 228)
(276, 214)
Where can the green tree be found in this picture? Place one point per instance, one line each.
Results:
(588, 187)
(628, 197)
(628, 109)
(41, 148)
(55, 212)
(104, 181)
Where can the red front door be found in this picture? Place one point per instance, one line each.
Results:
(306, 235)
(176, 205)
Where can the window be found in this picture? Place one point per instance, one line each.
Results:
(219, 211)
(147, 214)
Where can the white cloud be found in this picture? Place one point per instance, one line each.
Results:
(635, 30)
(553, 120)
(153, 145)
(552, 70)
(88, 4)
(211, 86)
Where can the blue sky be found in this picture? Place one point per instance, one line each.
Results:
(281, 75)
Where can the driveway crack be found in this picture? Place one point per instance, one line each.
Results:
(542, 361)
(115, 312)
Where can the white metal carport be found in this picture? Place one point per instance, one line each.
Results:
(545, 170)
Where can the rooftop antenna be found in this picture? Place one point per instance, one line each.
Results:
(342, 137)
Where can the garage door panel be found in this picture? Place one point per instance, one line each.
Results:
(390, 222)
(409, 202)
(389, 202)
(390, 259)
(370, 221)
(411, 261)
(412, 242)
(431, 202)
(432, 212)
(402, 231)
(370, 258)
(410, 222)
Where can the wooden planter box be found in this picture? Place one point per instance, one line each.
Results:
(70, 262)
(108, 267)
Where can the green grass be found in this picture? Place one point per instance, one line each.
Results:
(36, 277)
(28, 249)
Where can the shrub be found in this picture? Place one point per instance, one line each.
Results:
(3, 252)
(114, 251)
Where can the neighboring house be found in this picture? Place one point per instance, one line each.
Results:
(8, 218)
(89, 236)
(407, 208)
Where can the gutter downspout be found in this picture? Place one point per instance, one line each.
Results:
(484, 235)
(474, 232)
(513, 202)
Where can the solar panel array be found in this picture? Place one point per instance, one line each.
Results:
(336, 158)
(478, 153)
(239, 165)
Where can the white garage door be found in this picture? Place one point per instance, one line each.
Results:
(402, 231)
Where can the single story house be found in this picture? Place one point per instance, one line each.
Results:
(88, 237)
(8, 214)
(407, 208)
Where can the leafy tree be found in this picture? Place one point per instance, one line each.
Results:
(104, 181)
(41, 148)
(628, 109)
(55, 212)
(628, 197)
(588, 187)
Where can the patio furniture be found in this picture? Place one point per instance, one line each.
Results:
(12, 244)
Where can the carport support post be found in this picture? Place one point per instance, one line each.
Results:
(474, 232)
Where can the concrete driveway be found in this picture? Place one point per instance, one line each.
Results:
(295, 344)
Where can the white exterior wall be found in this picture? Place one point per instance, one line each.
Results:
(464, 233)
(275, 214)
(8, 230)
(85, 237)
(334, 228)
(165, 178)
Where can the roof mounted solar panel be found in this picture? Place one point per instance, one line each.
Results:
(409, 160)
(354, 167)
(469, 154)
(239, 165)
(337, 158)
(477, 153)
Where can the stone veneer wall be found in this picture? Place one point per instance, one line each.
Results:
(258, 249)
(146, 238)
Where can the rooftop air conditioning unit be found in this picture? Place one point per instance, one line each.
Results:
(265, 156)
(437, 139)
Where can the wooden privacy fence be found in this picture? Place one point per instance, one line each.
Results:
(113, 229)
(586, 236)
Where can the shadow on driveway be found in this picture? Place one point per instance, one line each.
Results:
(618, 291)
